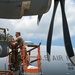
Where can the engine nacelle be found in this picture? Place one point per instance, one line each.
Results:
(15, 9)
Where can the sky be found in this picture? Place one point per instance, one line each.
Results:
(30, 31)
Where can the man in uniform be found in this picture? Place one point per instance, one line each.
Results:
(17, 43)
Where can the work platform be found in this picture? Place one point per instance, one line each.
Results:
(31, 69)
(19, 58)
(26, 63)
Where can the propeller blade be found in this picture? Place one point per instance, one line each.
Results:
(67, 40)
(49, 39)
(39, 18)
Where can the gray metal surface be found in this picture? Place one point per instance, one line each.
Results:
(15, 9)
(38, 7)
(10, 8)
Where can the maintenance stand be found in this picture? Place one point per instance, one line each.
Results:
(20, 63)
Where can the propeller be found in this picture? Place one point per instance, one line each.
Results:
(49, 38)
(67, 40)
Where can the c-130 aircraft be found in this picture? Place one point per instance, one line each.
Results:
(15, 9)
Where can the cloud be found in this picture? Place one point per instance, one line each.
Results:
(28, 27)
(70, 6)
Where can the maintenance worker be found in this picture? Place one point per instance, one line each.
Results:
(17, 43)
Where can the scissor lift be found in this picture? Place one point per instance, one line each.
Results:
(28, 57)
(25, 60)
